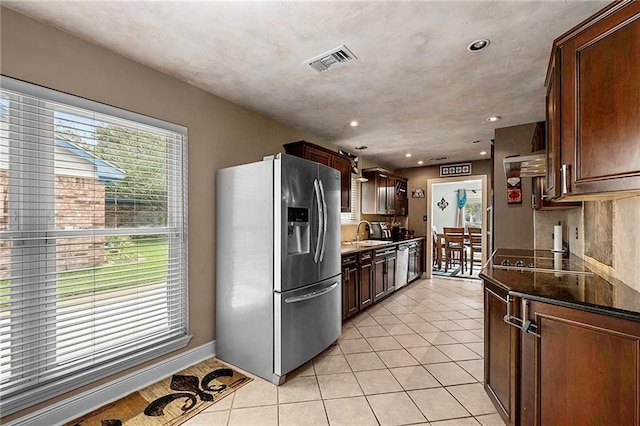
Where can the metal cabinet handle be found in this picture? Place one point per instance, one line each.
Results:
(564, 177)
(522, 324)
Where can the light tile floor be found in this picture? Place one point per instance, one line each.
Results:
(413, 359)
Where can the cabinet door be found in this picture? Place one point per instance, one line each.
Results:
(419, 255)
(500, 354)
(401, 199)
(381, 193)
(413, 264)
(318, 156)
(366, 281)
(391, 195)
(584, 368)
(350, 303)
(601, 104)
(553, 126)
(344, 167)
(391, 273)
(379, 273)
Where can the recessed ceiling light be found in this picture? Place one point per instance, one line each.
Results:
(354, 123)
(478, 45)
(361, 147)
(494, 118)
(421, 162)
(408, 154)
(483, 152)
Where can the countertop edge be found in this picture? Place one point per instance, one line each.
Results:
(351, 250)
(588, 307)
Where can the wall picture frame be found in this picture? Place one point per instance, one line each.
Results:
(514, 190)
(417, 193)
(460, 169)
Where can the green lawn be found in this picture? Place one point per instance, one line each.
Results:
(128, 262)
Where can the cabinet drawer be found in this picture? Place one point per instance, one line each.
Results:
(366, 257)
(349, 259)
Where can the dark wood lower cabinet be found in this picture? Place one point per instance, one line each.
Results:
(350, 301)
(415, 261)
(379, 272)
(384, 273)
(583, 369)
(391, 259)
(370, 275)
(365, 273)
(501, 353)
(579, 368)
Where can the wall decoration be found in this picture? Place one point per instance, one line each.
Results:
(514, 190)
(417, 193)
(460, 169)
(442, 204)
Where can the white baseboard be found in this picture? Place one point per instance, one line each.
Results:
(74, 407)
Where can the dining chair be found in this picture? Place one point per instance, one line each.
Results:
(475, 246)
(454, 244)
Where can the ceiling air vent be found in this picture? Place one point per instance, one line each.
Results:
(332, 58)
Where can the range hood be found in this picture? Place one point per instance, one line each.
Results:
(526, 165)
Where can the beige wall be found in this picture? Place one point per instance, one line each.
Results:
(220, 133)
(513, 223)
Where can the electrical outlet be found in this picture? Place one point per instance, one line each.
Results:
(424, 218)
(576, 232)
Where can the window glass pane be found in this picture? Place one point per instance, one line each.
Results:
(110, 174)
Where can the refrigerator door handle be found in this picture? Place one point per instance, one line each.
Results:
(312, 295)
(316, 190)
(324, 221)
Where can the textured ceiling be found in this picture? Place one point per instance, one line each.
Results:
(414, 88)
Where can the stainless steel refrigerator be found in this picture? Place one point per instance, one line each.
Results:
(278, 282)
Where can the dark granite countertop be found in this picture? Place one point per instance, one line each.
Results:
(580, 291)
(352, 247)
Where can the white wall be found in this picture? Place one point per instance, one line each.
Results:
(447, 217)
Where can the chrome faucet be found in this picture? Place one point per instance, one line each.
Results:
(358, 228)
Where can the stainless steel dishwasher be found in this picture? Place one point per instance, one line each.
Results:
(402, 265)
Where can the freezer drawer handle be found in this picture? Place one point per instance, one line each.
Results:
(313, 294)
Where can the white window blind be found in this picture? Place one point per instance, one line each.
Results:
(93, 243)
(354, 214)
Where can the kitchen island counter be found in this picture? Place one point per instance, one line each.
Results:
(577, 286)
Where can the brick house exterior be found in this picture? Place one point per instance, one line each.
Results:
(79, 204)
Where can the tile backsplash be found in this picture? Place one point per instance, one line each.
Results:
(607, 236)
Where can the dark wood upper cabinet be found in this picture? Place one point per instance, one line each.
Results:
(593, 105)
(384, 193)
(329, 158)
(401, 198)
